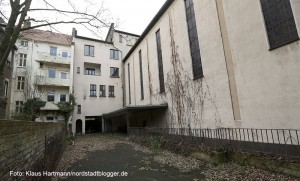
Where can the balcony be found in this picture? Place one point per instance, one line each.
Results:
(50, 106)
(56, 82)
(63, 58)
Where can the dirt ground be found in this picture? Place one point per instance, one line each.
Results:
(104, 154)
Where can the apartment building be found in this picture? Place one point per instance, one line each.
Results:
(97, 79)
(42, 70)
(215, 64)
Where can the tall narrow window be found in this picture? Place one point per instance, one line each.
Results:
(22, 60)
(120, 38)
(102, 92)
(88, 50)
(78, 109)
(193, 38)
(5, 88)
(280, 22)
(63, 98)
(19, 106)
(51, 96)
(141, 75)
(21, 83)
(93, 90)
(160, 63)
(111, 91)
(129, 93)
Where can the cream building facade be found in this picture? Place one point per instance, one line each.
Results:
(42, 70)
(98, 76)
(215, 64)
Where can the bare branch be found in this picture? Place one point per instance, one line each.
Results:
(72, 12)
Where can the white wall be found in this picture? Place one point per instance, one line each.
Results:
(267, 81)
(201, 103)
(95, 106)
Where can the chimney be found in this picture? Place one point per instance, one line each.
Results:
(27, 23)
(74, 32)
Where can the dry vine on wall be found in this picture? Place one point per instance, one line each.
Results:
(187, 98)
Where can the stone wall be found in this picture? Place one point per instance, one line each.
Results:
(29, 146)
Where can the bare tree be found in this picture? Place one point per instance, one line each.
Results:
(33, 82)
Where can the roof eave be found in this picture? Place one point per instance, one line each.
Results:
(156, 18)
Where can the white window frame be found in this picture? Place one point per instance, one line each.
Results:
(6, 85)
(67, 75)
(20, 83)
(24, 43)
(22, 60)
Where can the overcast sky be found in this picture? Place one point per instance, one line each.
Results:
(133, 15)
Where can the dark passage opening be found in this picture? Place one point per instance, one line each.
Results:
(93, 124)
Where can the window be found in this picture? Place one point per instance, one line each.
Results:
(22, 60)
(280, 22)
(64, 54)
(78, 109)
(88, 50)
(78, 70)
(114, 54)
(93, 90)
(114, 72)
(129, 93)
(120, 38)
(102, 92)
(141, 75)
(24, 43)
(63, 75)
(5, 88)
(63, 98)
(21, 83)
(50, 118)
(53, 51)
(111, 92)
(89, 71)
(52, 72)
(51, 96)
(19, 106)
(160, 63)
(193, 39)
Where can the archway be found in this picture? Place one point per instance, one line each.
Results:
(78, 126)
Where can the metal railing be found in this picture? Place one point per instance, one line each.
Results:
(276, 141)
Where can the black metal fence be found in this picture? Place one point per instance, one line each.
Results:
(284, 142)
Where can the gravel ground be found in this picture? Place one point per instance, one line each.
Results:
(153, 164)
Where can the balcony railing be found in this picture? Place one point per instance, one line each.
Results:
(58, 58)
(43, 80)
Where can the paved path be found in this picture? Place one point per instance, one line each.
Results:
(109, 153)
(138, 165)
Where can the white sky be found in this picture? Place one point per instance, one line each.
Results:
(133, 15)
